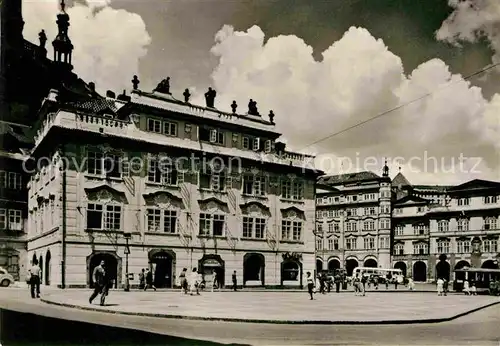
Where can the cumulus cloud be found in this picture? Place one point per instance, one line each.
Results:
(359, 78)
(472, 20)
(109, 43)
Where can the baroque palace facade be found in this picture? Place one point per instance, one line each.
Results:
(150, 181)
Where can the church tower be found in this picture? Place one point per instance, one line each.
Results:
(63, 48)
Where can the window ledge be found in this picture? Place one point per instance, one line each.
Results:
(253, 239)
(100, 230)
(247, 196)
(288, 200)
(291, 242)
(212, 191)
(160, 185)
(165, 234)
(103, 177)
(208, 236)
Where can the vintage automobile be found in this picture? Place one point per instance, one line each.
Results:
(5, 278)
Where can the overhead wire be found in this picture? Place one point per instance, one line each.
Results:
(389, 111)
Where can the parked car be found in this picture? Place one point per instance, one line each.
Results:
(5, 278)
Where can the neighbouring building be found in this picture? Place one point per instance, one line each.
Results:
(26, 76)
(148, 181)
(353, 221)
(437, 229)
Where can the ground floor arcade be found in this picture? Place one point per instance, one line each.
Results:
(331, 263)
(253, 269)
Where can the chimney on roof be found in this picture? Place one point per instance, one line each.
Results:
(110, 94)
(53, 95)
(92, 86)
(280, 147)
(123, 97)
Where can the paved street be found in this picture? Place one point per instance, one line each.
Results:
(285, 307)
(479, 328)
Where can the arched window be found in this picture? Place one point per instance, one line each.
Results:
(291, 271)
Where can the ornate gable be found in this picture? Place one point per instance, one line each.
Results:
(105, 194)
(254, 208)
(213, 204)
(163, 199)
(292, 213)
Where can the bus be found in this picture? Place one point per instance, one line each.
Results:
(481, 277)
(382, 273)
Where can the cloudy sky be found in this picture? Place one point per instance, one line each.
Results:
(321, 66)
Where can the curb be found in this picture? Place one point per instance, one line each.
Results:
(242, 320)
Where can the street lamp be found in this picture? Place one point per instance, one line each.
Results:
(127, 252)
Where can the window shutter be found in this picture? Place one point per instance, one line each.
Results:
(268, 146)
(256, 144)
(213, 136)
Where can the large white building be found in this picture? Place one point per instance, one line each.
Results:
(185, 186)
(437, 229)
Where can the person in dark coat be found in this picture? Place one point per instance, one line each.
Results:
(235, 281)
(100, 283)
(142, 279)
(337, 283)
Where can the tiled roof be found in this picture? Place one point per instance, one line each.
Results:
(437, 188)
(348, 178)
(400, 180)
(94, 105)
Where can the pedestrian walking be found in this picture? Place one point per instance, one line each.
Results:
(142, 279)
(310, 285)
(411, 285)
(183, 281)
(100, 284)
(235, 281)
(34, 273)
(337, 283)
(149, 280)
(466, 288)
(214, 280)
(194, 282)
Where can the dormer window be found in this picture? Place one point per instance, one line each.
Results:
(246, 143)
(170, 128)
(256, 144)
(154, 125)
(211, 135)
(268, 147)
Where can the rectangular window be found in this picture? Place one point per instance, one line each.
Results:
(15, 181)
(254, 185)
(254, 227)
(399, 249)
(212, 224)
(463, 246)
(256, 144)
(162, 171)
(103, 218)
(369, 243)
(369, 225)
(420, 249)
(170, 128)
(100, 164)
(154, 220)
(3, 179)
(443, 247)
(350, 243)
(443, 226)
(490, 199)
(213, 181)
(246, 143)
(490, 223)
(15, 220)
(319, 244)
(268, 147)
(154, 125)
(291, 230)
(420, 229)
(292, 190)
(462, 225)
(3, 218)
(463, 201)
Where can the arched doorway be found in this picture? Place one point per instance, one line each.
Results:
(48, 256)
(489, 264)
(162, 263)
(460, 265)
(350, 264)
(370, 263)
(443, 270)
(254, 269)
(402, 266)
(319, 265)
(112, 267)
(40, 264)
(419, 271)
(333, 264)
(291, 271)
(206, 266)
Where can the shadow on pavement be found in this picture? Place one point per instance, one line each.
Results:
(18, 328)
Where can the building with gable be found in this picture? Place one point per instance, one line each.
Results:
(437, 229)
(353, 221)
(151, 181)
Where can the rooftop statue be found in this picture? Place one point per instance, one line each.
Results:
(252, 108)
(234, 105)
(135, 82)
(271, 117)
(164, 86)
(43, 38)
(210, 97)
(187, 95)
